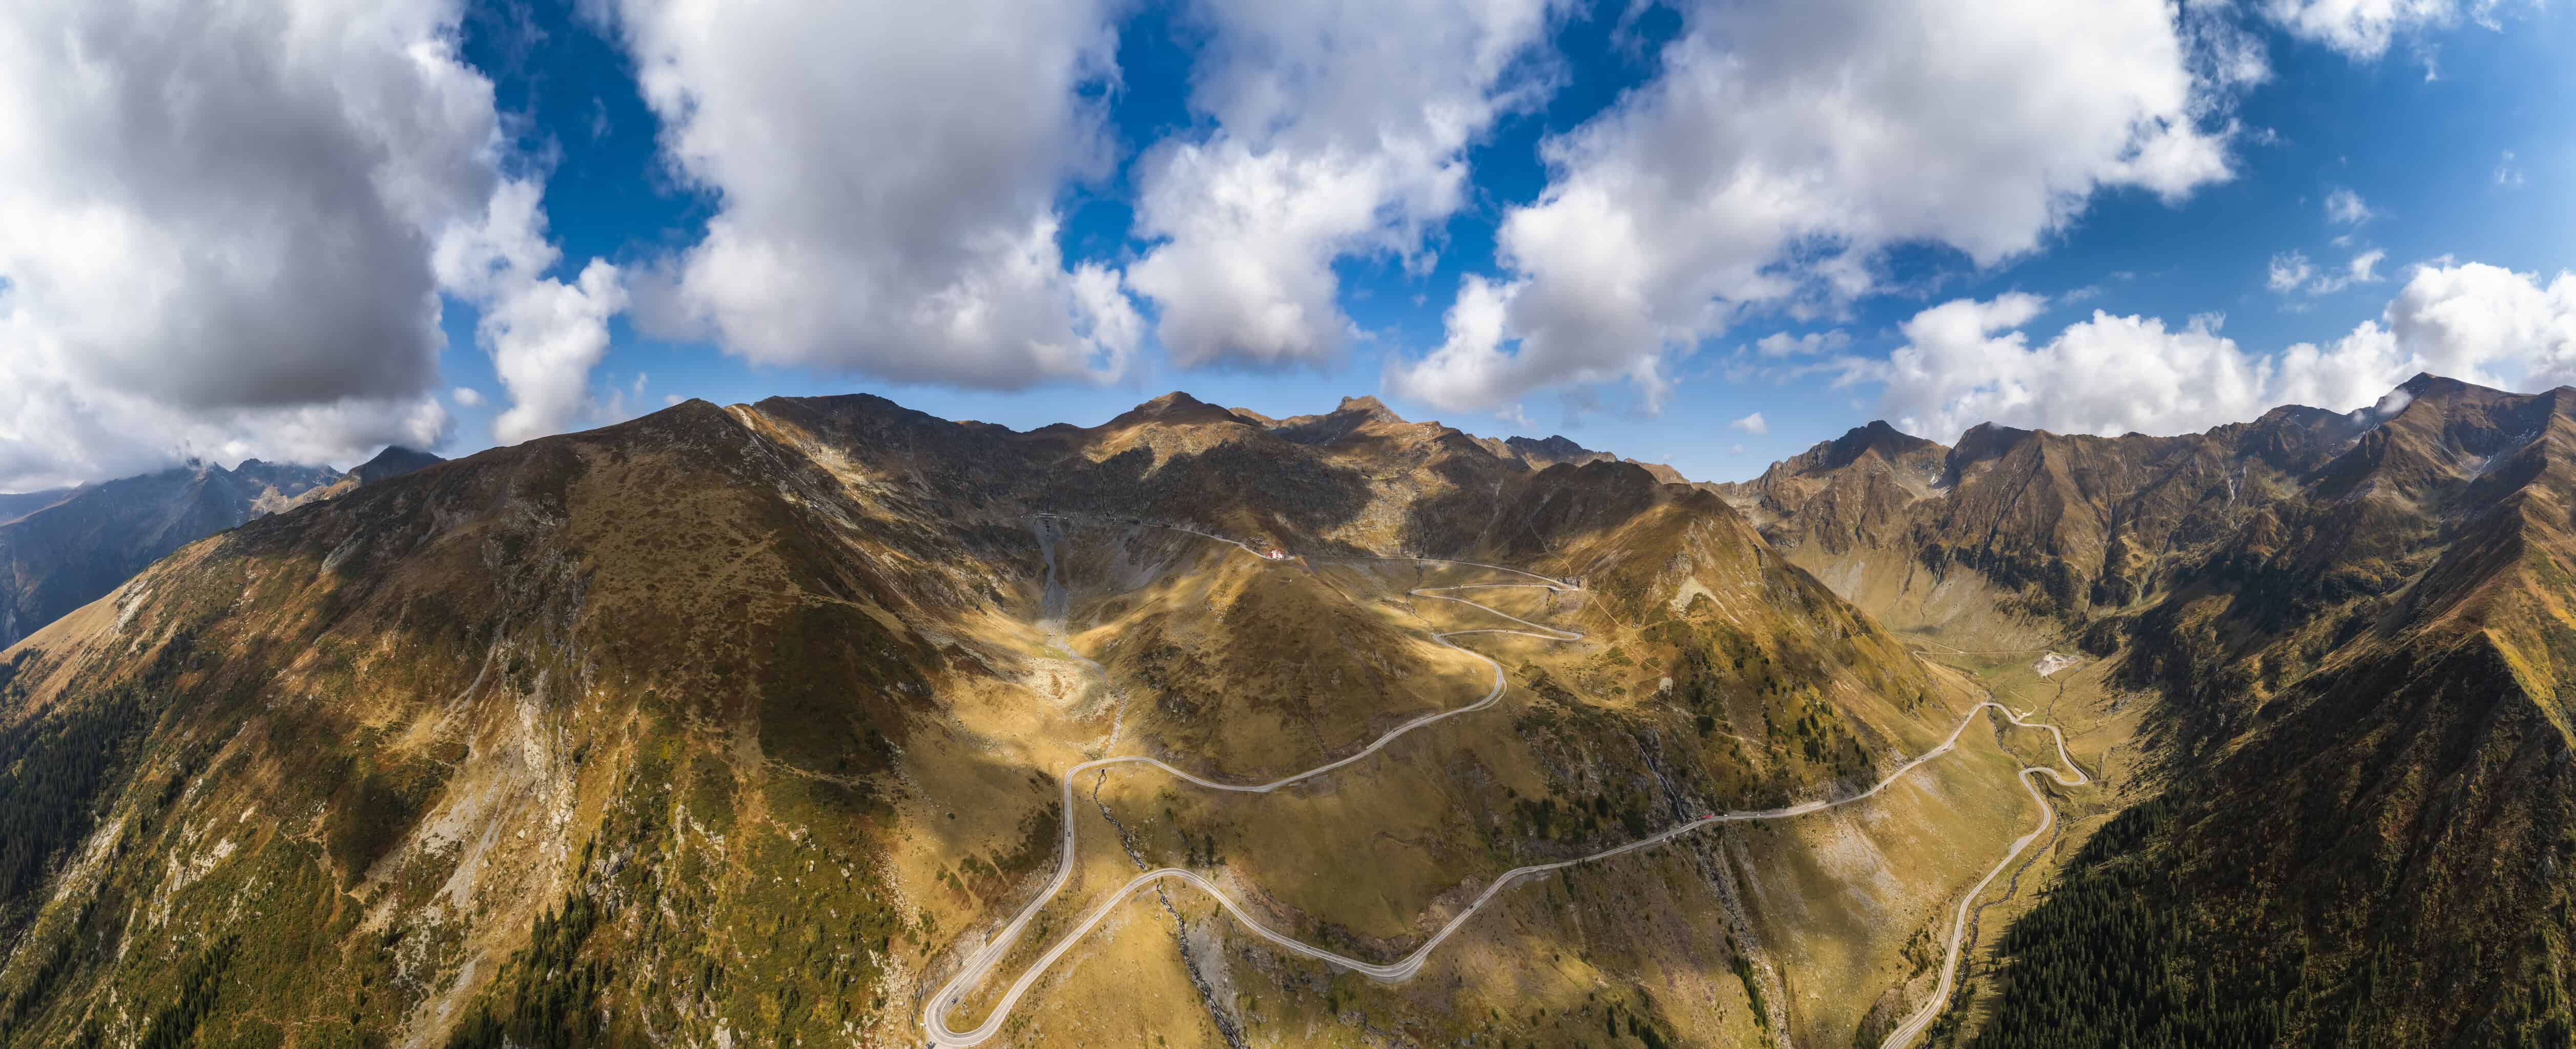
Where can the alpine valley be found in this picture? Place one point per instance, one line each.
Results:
(760, 725)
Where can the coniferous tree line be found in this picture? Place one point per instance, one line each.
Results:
(2113, 957)
(175, 1024)
(56, 772)
(548, 997)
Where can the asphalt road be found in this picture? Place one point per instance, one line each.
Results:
(934, 1016)
(1914, 1025)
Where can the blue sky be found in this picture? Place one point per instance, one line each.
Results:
(1952, 276)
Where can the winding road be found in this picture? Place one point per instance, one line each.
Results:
(1914, 1025)
(934, 1015)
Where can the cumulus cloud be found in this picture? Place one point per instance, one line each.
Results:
(1783, 146)
(217, 219)
(1753, 424)
(1337, 128)
(2487, 324)
(466, 397)
(545, 335)
(886, 176)
(1966, 361)
(227, 227)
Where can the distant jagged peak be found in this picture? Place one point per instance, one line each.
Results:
(1541, 453)
(1989, 439)
(1556, 446)
(1353, 414)
(1889, 442)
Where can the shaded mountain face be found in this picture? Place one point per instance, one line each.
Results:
(744, 724)
(2049, 528)
(70, 549)
(1553, 450)
(394, 461)
(14, 505)
(64, 548)
(2357, 634)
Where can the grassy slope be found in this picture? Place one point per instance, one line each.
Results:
(2368, 806)
(735, 720)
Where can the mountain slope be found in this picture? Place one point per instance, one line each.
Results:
(2361, 839)
(2353, 638)
(742, 724)
(15, 505)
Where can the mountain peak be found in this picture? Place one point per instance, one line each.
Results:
(1552, 449)
(394, 461)
(1173, 401)
(1369, 406)
(1175, 407)
(1888, 441)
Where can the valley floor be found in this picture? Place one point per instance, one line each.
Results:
(971, 991)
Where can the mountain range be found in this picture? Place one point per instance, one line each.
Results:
(752, 724)
(2355, 630)
(63, 548)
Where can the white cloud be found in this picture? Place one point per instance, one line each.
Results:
(2289, 270)
(2487, 324)
(2292, 273)
(2364, 28)
(1966, 362)
(229, 225)
(2506, 174)
(1784, 145)
(1783, 344)
(545, 336)
(887, 175)
(1752, 424)
(466, 397)
(218, 216)
(1737, 448)
(1339, 128)
(2347, 207)
(670, 399)
(1515, 415)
